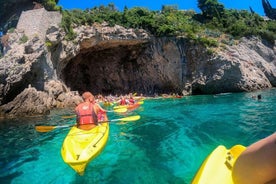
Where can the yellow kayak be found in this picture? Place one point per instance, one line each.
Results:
(217, 167)
(106, 104)
(81, 146)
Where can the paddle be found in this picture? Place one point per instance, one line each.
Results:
(121, 110)
(50, 128)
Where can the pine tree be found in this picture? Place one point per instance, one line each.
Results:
(211, 8)
(269, 11)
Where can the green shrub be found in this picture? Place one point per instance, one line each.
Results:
(23, 39)
(210, 52)
(173, 22)
(268, 36)
(50, 5)
(11, 30)
(228, 41)
(48, 44)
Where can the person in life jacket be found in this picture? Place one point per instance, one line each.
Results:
(123, 101)
(131, 100)
(89, 113)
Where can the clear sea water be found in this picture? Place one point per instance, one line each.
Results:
(167, 145)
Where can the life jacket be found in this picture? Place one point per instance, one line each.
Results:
(123, 101)
(131, 100)
(86, 114)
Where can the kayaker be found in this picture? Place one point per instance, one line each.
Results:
(257, 164)
(123, 101)
(89, 113)
(131, 100)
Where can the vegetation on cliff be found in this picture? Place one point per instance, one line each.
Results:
(50, 5)
(206, 27)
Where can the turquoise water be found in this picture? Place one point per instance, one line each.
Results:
(167, 145)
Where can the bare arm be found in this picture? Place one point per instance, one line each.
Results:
(257, 164)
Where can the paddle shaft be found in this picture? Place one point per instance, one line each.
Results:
(50, 128)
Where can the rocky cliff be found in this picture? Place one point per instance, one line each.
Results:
(37, 76)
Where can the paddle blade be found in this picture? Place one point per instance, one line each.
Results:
(120, 110)
(50, 128)
(119, 107)
(130, 118)
(44, 128)
(140, 102)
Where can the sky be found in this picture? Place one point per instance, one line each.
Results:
(256, 5)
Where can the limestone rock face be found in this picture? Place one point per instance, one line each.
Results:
(22, 66)
(247, 66)
(34, 102)
(38, 75)
(28, 103)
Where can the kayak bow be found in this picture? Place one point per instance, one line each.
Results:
(82, 146)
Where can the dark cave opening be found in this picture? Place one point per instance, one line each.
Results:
(104, 71)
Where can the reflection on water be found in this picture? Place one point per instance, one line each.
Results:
(167, 145)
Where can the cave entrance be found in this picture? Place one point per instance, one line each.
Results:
(104, 70)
